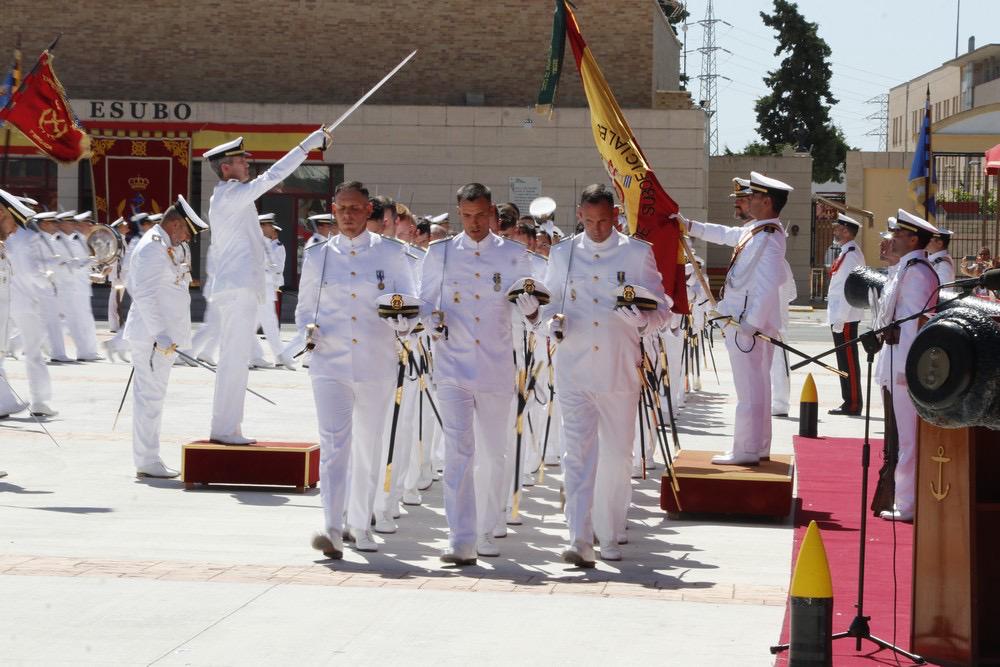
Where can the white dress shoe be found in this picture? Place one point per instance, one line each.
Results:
(637, 472)
(384, 523)
(551, 459)
(286, 361)
(610, 552)
(486, 547)
(91, 357)
(363, 540)
(332, 548)
(736, 459)
(622, 538)
(109, 351)
(3, 473)
(61, 360)
(158, 469)
(460, 556)
(8, 410)
(42, 410)
(511, 519)
(232, 440)
(500, 530)
(527, 479)
(581, 555)
(412, 497)
(261, 363)
(896, 515)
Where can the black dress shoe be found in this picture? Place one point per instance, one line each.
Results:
(844, 411)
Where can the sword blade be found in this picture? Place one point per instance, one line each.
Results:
(332, 126)
(197, 362)
(124, 394)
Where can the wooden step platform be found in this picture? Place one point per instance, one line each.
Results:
(764, 490)
(263, 463)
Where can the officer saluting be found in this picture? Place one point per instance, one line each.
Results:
(842, 317)
(354, 362)
(158, 323)
(465, 280)
(751, 298)
(239, 282)
(597, 385)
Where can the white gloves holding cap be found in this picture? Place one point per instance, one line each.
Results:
(399, 324)
(527, 304)
(633, 316)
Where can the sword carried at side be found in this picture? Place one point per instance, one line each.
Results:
(196, 362)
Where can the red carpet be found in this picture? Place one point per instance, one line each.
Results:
(829, 487)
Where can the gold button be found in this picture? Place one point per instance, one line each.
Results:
(355, 341)
(353, 253)
(354, 296)
(477, 253)
(596, 324)
(354, 318)
(477, 341)
(477, 275)
(596, 278)
(595, 300)
(476, 295)
(596, 348)
(477, 318)
(353, 273)
(597, 256)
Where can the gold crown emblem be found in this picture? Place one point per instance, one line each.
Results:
(628, 293)
(396, 302)
(138, 182)
(529, 286)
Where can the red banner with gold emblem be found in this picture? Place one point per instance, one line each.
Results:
(138, 175)
(40, 111)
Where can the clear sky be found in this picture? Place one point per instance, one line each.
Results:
(876, 44)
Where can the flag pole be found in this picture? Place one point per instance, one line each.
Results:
(927, 158)
(10, 93)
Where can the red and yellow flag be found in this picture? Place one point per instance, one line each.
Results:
(648, 207)
(38, 108)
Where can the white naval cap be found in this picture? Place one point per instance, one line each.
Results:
(65, 215)
(28, 200)
(45, 215)
(228, 149)
(323, 219)
(193, 220)
(393, 305)
(908, 221)
(636, 295)
(848, 221)
(153, 218)
(18, 210)
(437, 219)
(266, 218)
(119, 221)
(761, 183)
(741, 187)
(943, 233)
(891, 225)
(83, 217)
(536, 288)
(138, 218)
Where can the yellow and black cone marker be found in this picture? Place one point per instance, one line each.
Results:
(808, 409)
(811, 605)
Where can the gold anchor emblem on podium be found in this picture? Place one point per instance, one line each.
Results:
(937, 492)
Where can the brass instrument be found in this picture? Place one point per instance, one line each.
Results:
(106, 246)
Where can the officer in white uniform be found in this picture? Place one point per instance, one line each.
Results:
(116, 277)
(597, 383)
(911, 288)
(79, 313)
(116, 345)
(465, 281)
(844, 318)
(322, 226)
(12, 211)
(52, 262)
(939, 257)
(29, 280)
(159, 323)
(751, 299)
(239, 283)
(274, 269)
(354, 362)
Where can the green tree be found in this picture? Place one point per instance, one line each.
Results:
(797, 111)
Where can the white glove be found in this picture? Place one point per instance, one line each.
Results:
(312, 335)
(633, 316)
(164, 344)
(528, 305)
(682, 220)
(315, 141)
(556, 327)
(399, 324)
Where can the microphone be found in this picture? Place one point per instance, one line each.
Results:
(988, 279)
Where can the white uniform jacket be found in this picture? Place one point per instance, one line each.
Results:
(943, 266)
(236, 235)
(28, 268)
(911, 288)
(473, 295)
(161, 303)
(351, 344)
(5, 287)
(599, 351)
(838, 311)
(751, 291)
(275, 258)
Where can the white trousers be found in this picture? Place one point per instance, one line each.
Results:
(780, 380)
(8, 401)
(351, 419)
(752, 379)
(599, 427)
(149, 391)
(80, 321)
(205, 342)
(267, 317)
(238, 321)
(50, 308)
(29, 323)
(476, 432)
(403, 449)
(906, 464)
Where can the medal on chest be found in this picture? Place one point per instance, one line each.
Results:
(621, 278)
(496, 282)
(457, 298)
(380, 275)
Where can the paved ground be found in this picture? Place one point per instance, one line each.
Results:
(97, 567)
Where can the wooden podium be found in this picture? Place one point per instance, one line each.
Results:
(956, 546)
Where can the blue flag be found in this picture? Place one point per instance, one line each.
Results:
(923, 180)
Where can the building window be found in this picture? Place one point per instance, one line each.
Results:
(954, 104)
(937, 112)
(947, 108)
(33, 177)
